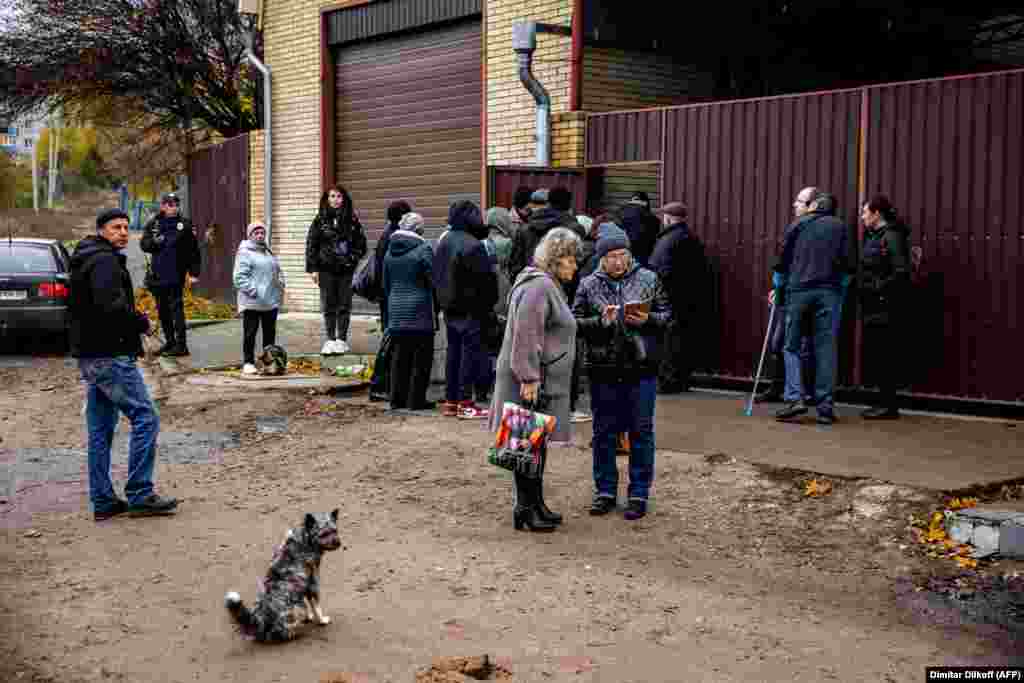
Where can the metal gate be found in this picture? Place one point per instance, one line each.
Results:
(948, 152)
(219, 208)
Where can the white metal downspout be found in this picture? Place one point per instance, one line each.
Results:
(524, 42)
(267, 147)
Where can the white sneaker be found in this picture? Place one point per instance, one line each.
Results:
(328, 348)
(249, 369)
(341, 346)
(578, 416)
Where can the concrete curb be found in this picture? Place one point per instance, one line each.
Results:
(204, 322)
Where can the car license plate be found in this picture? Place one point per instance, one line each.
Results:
(16, 295)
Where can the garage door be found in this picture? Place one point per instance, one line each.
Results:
(408, 123)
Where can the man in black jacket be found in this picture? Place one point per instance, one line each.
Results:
(678, 259)
(175, 249)
(467, 290)
(557, 213)
(105, 337)
(641, 226)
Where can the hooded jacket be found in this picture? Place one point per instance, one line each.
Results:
(526, 239)
(104, 322)
(678, 259)
(408, 282)
(175, 250)
(466, 284)
(609, 355)
(336, 241)
(642, 227)
(257, 277)
(883, 277)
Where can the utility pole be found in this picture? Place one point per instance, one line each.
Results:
(35, 173)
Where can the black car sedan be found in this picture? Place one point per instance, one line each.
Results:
(35, 281)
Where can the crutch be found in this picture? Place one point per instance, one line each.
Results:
(760, 365)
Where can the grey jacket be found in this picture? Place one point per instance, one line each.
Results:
(408, 283)
(257, 277)
(541, 331)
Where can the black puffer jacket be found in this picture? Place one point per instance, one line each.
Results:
(526, 239)
(336, 242)
(883, 278)
(104, 322)
(609, 355)
(465, 281)
(679, 261)
(642, 227)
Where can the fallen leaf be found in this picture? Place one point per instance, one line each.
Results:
(816, 489)
(966, 562)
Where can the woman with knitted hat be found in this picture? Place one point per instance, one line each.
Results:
(621, 311)
(260, 283)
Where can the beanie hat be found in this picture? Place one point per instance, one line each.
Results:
(610, 238)
(539, 196)
(253, 226)
(413, 222)
(108, 215)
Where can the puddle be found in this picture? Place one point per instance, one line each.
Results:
(995, 600)
(272, 425)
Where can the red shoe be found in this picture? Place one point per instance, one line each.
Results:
(471, 411)
(449, 408)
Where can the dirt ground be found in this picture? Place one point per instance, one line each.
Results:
(735, 576)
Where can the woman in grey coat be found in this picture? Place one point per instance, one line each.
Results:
(536, 359)
(260, 283)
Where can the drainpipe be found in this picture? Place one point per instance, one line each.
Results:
(576, 60)
(524, 42)
(267, 147)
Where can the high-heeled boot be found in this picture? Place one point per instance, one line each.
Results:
(543, 510)
(526, 512)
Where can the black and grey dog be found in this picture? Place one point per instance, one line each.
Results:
(292, 580)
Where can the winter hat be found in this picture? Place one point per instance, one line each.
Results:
(674, 209)
(539, 196)
(253, 226)
(586, 222)
(108, 215)
(413, 222)
(640, 197)
(499, 218)
(610, 238)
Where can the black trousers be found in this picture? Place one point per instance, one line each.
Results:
(380, 382)
(884, 361)
(251, 323)
(676, 366)
(336, 302)
(170, 306)
(412, 357)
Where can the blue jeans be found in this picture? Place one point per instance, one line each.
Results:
(626, 406)
(462, 360)
(116, 386)
(822, 308)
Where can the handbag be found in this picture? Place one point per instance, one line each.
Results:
(521, 436)
(367, 281)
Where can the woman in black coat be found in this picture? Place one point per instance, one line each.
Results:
(884, 284)
(335, 245)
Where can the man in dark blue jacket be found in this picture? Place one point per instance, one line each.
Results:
(105, 337)
(814, 268)
(175, 249)
(467, 290)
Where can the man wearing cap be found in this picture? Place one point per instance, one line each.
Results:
(641, 226)
(175, 249)
(678, 259)
(105, 337)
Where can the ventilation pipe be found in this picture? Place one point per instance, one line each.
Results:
(267, 156)
(524, 42)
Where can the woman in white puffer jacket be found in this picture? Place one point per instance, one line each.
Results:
(260, 283)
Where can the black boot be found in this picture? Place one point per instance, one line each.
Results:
(526, 512)
(543, 511)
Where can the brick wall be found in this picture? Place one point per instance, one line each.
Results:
(616, 79)
(511, 110)
(291, 32)
(256, 176)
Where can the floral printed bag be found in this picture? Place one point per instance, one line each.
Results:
(520, 438)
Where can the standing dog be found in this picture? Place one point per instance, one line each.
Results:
(292, 580)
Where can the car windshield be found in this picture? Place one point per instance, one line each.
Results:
(25, 258)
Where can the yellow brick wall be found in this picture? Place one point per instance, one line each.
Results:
(567, 135)
(510, 108)
(616, 79)
(256, 175)
(291, 34)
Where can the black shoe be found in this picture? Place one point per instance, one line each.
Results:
(881, 414)
(426, 405)
(667, 389)
(770, 396)
(635, 509)
(377, 398)
(154, 505)
(526, 514)
(826, 417)
(602, 505)
(177, 351)
(793, 409)
(543, 511)
(119, 507)
(166, 347)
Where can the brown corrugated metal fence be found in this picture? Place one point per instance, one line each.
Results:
(504, 180)
(947, 152)
(219, 201)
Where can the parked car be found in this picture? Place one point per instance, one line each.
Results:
(35, 280)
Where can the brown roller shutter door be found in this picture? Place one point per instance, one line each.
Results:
(408, 123)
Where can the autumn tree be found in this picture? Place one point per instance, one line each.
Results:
(179, 64)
